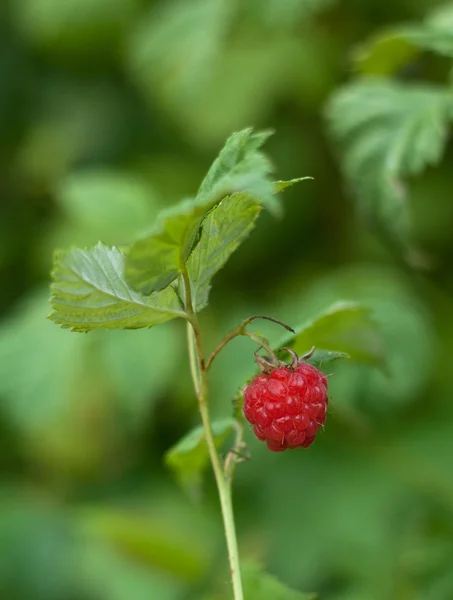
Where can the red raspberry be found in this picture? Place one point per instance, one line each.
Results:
(287, 405)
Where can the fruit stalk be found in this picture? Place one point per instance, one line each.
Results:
(242, 330)
(199, 376)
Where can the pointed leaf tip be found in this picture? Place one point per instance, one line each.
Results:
(241, 168)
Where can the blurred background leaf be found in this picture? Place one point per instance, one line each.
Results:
(395, 48)
(114, 206)
(387, 131)
(259, 585)
(45, 23)
(344, 327)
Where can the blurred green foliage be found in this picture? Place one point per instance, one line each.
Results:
(112, 111)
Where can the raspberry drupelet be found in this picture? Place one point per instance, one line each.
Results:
(287, 405)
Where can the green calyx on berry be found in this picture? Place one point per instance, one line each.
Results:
(268, 363)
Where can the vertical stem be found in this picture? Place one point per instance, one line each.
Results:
(231, 461)
(193, 361)
(199, 375)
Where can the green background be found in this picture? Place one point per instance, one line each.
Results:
(112, 110)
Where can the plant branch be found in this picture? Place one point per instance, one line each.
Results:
(242, 330)
(199, 375)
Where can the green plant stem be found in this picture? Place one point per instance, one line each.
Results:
(237, 331)
(233, 456)
(199, 375)
(194, 370)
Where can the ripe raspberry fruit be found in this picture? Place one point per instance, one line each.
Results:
(287, 404)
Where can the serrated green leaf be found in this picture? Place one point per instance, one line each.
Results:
(386, 131)
(259, 585)
(223, 230)
(225, 227)
(189, 458)
(89, 292)
(345, 328)
(240, 167)
(154, 261)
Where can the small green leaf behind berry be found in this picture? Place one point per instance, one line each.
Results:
(345, 329)
(189, 458)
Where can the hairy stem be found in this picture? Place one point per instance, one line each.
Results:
(199, 375)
